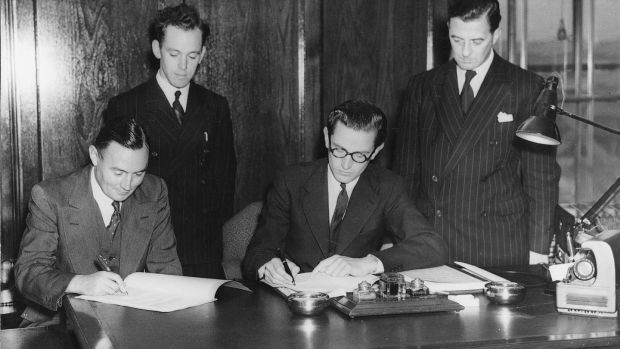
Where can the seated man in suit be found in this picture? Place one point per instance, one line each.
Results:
(112, 210)
(309, 218)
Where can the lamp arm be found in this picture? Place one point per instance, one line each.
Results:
(600, 204)
(584, 120)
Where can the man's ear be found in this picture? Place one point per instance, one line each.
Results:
(496, 35)
(156, 49)
(203, 52)
(326, 136)
(377, 150)
(93, 154)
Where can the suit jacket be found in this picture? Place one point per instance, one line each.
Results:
(197, 161)
(489, 194)
(60, 239)
(295, 219)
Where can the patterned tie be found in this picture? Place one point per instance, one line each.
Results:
(467, 94)
(116, 218)
(178, 108)
(337, 217)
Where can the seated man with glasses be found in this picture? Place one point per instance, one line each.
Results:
(332, 215)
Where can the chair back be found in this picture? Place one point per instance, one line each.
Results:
(237, 232)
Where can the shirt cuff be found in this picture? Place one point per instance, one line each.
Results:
(379, 268)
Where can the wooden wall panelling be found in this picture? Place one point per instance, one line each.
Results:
(92, 50)
(19, 111)
(252, 59)
(370, 49)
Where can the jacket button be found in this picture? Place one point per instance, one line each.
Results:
(493, 142)
(435, 179)
(438, 213)
(154, 154)
(483, 213)
(203, 182)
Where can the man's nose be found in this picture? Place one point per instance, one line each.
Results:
(183, 63)
(347, 162)
(466, 49)
(126, 182)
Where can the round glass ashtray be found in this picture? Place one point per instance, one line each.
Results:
(504, 292)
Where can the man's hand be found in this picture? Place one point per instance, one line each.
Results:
(338, 265)
(537, 258)
(273, 272)
(97, 284)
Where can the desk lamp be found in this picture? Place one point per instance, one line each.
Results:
(541, 128)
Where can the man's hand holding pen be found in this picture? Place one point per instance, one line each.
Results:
(274, 272)
(101, 283)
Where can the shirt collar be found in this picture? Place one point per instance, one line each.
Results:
(103, 201)
(481, 73)
(169, 90)
(333, 186)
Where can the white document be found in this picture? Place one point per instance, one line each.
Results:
(451, 280)
(320, 282)
(164, 293)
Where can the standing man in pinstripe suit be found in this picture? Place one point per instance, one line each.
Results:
(190, 133)
(490, 195)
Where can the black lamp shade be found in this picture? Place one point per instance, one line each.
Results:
(539, 129)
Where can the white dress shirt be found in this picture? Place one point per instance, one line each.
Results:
(103, 201)
(477, 80)
(169, 90)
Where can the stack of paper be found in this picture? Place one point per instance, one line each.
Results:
(462, 278)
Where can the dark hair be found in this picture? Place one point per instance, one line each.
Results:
(474, 9)
(182, 16)
(359, 115)
(124, 131)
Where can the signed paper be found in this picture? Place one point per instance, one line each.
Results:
(164, 293)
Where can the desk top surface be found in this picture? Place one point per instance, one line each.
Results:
(262, 319)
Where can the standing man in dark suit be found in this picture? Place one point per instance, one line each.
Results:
(190, 132)
(112, 209)
(491, 196)
(309, 217)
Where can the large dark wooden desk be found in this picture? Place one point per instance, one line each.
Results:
(262, 320)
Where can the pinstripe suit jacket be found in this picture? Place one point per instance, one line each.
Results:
(489, 194)
(200, 173)
(295, 218)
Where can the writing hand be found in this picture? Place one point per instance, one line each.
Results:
(97, 284)
(338, 265)
(273, 272)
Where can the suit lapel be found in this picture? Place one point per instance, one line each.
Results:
(80, 219)
(315, 207)
(447, 103)
(361, 205)
(158, 111)
(486, 105)
(135, 238)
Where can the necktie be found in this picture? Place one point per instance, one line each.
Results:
(467, 94)
(337, 217)
(116, 218)
(178, 108)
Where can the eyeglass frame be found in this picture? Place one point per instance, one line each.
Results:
(366, 157)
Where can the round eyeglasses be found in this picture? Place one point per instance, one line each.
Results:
(355, 156)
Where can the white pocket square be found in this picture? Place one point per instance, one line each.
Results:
(503, 117)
